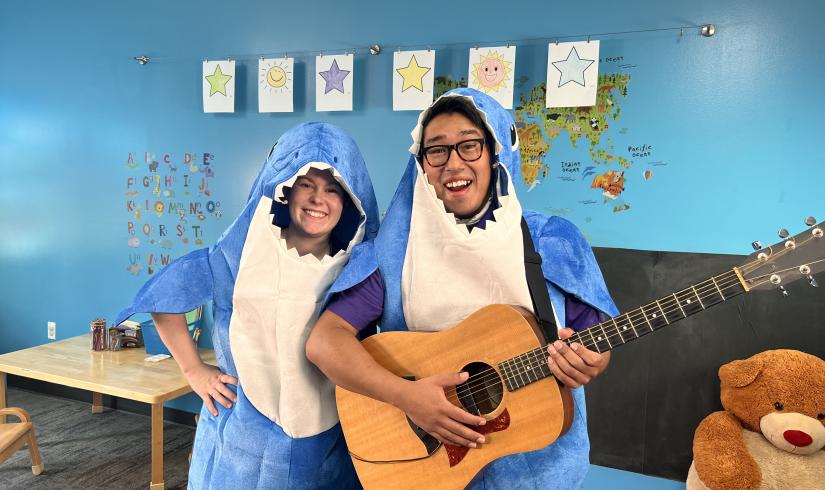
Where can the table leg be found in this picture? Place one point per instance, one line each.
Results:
(97, 402)
(2, 396)
(157, 447)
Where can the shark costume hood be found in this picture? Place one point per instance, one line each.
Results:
(568, 265)
(282, 432)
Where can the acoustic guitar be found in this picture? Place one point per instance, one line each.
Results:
(510, 383)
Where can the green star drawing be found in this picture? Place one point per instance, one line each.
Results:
(217, 81)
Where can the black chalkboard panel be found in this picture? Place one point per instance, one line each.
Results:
(643, 410)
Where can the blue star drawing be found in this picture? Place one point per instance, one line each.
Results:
(334, 78)
(572, 69)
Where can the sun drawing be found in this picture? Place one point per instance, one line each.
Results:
(491, 72)
(275, 76)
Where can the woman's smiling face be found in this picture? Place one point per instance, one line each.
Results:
(316, 202)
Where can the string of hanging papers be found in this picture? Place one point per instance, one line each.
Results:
(572, 75)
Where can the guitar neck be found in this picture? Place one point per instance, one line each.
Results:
(531, 366)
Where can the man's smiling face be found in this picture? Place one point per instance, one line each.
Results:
(461, 185)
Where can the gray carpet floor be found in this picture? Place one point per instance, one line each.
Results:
(85, 451)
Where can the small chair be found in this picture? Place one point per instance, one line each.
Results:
(14, 435)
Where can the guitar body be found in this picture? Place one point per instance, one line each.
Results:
(526, 419)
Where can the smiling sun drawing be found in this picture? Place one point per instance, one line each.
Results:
(491, 72)
(275, 76)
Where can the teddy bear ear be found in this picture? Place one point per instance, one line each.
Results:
(741, 373)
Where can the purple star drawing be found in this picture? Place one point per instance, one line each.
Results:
(334, 78)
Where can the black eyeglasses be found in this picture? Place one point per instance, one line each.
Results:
(468, 150)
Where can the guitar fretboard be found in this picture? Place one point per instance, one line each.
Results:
(531, 366)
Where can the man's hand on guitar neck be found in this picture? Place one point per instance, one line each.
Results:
(426, 404)
(574, 364)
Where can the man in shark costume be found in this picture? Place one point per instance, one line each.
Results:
(282, 431)
(434, 270)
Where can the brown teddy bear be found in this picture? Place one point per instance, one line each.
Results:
(772, 431)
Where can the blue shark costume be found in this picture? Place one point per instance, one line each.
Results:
(283, 431)
(420, 243)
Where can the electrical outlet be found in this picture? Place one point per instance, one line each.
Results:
(52, 330)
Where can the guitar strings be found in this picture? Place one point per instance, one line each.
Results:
(727, 279)
(490, 374)
(668, 301)
(538, 356)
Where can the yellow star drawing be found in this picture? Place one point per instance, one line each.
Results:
(413, 75)
(217, 81)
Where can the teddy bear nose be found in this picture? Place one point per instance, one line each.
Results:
(797, 438)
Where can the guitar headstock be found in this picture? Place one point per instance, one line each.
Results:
(795, 257)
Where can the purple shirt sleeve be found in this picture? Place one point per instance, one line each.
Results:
(361, 305)
(578, 315)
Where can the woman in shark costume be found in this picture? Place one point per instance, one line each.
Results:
(420, 245)
(282, 431)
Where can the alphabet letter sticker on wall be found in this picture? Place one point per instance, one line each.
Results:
(160, 225)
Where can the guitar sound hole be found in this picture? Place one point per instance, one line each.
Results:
(481, 393)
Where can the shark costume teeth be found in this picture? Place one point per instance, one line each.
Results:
(502, 198)
(435, 249)
(277, 299)
(569, 269)
(271, 437)
(440, 247)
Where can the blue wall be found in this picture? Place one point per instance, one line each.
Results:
(736, 116)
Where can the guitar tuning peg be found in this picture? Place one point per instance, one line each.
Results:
(783, 233)
(805, 270)
(785, 292)
(810, 221)
(756, 245)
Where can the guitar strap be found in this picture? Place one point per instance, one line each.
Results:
(538, 288)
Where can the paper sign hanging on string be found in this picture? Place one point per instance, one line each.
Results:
(219, 86)
(492, 71)
(413, 78)
(333, 82)
(572, 74)
(275, 82)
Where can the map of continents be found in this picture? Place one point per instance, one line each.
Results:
(603, 169)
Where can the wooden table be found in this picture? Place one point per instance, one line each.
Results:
(123, 373)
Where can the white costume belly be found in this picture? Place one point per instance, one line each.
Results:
(276, 301)
(450, 272)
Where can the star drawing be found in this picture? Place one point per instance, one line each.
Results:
(217, 81)
(572, 69)
(413, 75)
(334, 78)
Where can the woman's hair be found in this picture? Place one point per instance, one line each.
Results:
(344, 231)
